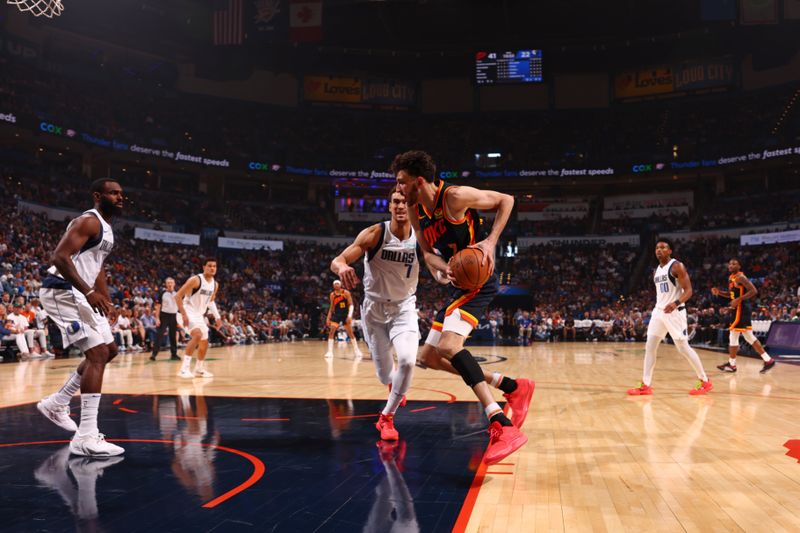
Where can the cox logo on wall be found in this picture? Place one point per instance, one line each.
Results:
(255, 165)
(54, 129)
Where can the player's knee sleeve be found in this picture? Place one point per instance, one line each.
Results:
(468, 367)
(733, 338)
(749, 337)
(652, 344)
(406, 345)
(682, 345)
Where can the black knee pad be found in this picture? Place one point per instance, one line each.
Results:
(468, 367)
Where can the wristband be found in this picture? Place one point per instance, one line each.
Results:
(677, 303)
(88, 293)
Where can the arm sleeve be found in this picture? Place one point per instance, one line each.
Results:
(212, 307)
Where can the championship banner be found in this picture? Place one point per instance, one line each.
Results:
(791, 9)
(644, 82)
(167, 237)
(332, 89)
(596, 240)
(758, 12)
(248, 244)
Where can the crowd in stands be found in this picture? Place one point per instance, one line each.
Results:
(578, 292)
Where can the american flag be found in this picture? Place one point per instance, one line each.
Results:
(228, 22)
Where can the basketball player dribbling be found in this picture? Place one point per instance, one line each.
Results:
(75, 296)
(740, 290)
(195, 299)
(445, 221)
(389, 312)
(673, 290)
(340, 312)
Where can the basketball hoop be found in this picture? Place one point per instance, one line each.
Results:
(38, 8)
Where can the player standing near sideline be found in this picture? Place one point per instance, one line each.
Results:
(75, 297)
(673, 290)
(740, 291)
(195, 299)
(341, 312)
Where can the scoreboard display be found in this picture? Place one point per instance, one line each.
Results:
(521, 66)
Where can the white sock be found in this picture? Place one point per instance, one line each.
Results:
(765, 356)
(199, 366)
(405, 344)
(68, 390)
(392, 403)
(355, 345)
(330, 345)
(694, 359)
(90, 404)
(497, 378)
(732, 361)
(187, 362)
(492, 409)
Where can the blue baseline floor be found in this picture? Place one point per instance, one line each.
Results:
(323, 470)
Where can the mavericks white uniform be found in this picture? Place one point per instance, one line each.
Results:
(66, 306)
(196, 305)
(391, 273)
(667, 291)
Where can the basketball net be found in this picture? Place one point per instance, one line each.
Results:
(38, 8)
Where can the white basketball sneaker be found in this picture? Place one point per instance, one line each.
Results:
(58, 414)
(203, 373)
(93, 445)
(185, 373)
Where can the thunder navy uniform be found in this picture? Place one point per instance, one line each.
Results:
(742, 319)
(340, 307)
(448, 236)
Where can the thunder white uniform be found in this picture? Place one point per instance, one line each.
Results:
(196, 305)
(667, 291)
(66, 306)
(391, 273)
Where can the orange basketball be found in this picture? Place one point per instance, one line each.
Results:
(467, 270)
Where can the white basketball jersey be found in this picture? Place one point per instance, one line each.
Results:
(667, 290)
(391, 269)
(200, 299)
(89, 259)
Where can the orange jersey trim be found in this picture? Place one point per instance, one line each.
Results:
(461, 301)
(435, 201)
(437, 326)
(468, 318)
(446, 215)
(737, 319)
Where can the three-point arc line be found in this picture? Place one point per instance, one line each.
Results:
(258, 465)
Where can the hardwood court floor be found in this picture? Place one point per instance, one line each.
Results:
(596, 460)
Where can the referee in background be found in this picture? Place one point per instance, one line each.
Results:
(167, 312)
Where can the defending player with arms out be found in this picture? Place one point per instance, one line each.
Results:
(673, 289)
(740, 291)
(340, 312)
(195, 299)
(75, 296)
(389, 311)
(446, 221)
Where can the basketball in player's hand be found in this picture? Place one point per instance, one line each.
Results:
(467, 269)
